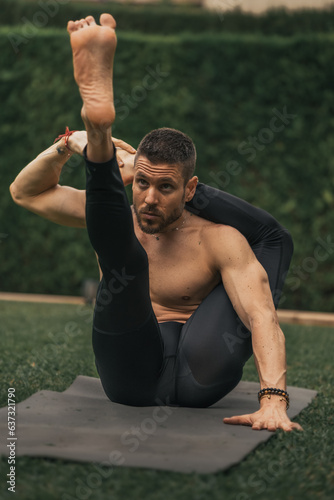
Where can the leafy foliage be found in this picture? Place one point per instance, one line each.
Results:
(164, 17)
(259, 109)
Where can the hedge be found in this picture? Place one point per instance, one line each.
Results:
(260, 110)
(167, 19)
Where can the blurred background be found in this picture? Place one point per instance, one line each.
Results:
(250, 81)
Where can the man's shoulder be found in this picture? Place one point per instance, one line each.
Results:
(218, 231)
(217, 237)
(224, 243)
(205, 224)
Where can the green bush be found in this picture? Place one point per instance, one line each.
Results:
(166, 19)
(224, 91)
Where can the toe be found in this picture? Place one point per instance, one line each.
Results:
(90, 20)
(71, 27)
(81, 24)
(107, 20)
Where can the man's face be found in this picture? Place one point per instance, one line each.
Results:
(158, 195)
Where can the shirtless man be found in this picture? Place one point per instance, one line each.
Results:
(166, 332)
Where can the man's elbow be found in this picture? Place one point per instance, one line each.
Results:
(16, 195)
(13, 192)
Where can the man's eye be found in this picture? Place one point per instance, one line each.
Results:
(141, 182)
(166, 186)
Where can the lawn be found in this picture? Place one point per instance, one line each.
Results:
(46, 346)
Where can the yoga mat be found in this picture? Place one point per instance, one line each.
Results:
(81, 424)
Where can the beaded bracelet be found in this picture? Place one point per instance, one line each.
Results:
(268, 391)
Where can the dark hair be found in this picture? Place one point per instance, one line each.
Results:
(170, 146)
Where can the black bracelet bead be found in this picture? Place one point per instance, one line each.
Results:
(275, 391)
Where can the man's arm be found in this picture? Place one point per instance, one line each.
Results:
(37, 188)
(247, 286)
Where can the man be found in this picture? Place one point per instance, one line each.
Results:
(164, 325)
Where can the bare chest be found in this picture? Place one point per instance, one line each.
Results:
(181, 275)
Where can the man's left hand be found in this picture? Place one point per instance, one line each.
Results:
(269, 416)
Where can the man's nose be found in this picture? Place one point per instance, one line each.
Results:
(151, 197)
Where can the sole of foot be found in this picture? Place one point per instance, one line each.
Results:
(93, 48)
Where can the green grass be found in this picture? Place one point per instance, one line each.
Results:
(47, 346)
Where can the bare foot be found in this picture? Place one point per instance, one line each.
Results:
(93, 50)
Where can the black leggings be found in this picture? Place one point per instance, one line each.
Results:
(141, 362)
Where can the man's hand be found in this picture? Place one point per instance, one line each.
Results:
(270, 416)
(124, 152)
(125, 155)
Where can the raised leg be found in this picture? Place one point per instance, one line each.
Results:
(126, 337)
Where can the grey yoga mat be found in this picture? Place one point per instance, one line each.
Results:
(81, 424)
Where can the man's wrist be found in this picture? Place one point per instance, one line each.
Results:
(273, 400)
(268, 392)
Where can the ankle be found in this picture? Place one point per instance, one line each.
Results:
(100, 147)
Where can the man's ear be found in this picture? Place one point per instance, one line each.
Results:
(191, 188)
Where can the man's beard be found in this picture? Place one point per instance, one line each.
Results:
(150, 227)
